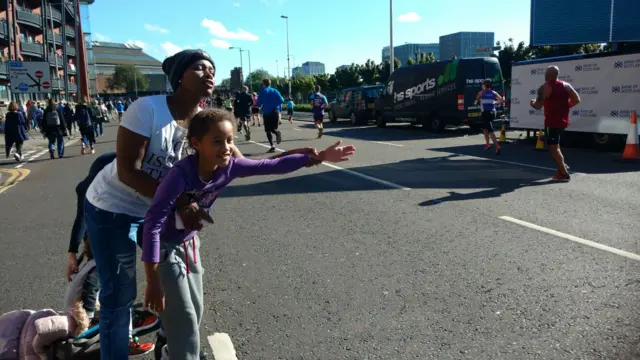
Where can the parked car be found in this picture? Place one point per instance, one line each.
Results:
(356, 104)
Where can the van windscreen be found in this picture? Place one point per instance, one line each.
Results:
(372, 92)
(492, 72)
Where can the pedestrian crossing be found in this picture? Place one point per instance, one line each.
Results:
(30, 155)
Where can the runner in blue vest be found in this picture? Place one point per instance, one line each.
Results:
(488, 98)
(318, 104)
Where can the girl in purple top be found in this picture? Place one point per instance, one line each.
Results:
(170, 253)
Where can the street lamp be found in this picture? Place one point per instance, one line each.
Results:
(248, 76)
(286, 19)
(392, 59)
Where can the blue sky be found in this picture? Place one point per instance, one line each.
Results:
(335, 32)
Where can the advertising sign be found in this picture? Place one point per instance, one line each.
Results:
(609, 89)
(28, 77)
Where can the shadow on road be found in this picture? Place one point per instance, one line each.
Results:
(391, 133)
(449, 172)
(588, 162)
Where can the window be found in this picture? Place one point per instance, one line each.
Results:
(373, 92)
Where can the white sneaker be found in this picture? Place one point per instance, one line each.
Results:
(17, 157)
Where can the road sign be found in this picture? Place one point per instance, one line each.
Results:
(29, 77)
(46, 85)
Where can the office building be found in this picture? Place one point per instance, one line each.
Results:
(406, 51)
(236, 78)
(107, 55)
(49, 31)
(297, 71)
(313, 68)
(464, 44)
(343, 67)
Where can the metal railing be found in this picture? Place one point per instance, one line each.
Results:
(71, 32)
(25, 15)
(31, 48)
(51, 35)
(71, 50)
(56, 15)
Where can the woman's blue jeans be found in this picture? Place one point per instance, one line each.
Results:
(113, 243)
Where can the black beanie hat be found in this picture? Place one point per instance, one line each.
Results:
(174, 66)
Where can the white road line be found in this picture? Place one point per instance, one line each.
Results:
(351, 172)
(387, 143)
(42, 153)
(297, 129)
(222, 347)
(576, 239)
(516, 163)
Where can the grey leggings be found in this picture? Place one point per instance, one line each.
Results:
(181, 277)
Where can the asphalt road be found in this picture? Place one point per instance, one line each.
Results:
(422, 246)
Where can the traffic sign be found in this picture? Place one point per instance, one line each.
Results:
(28, 77)
(488, 49)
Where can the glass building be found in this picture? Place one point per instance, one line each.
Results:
(406, 51)
(464, 44)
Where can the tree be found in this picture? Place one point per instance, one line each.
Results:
(349, 77)
(254, 79)
(226, 83)
(323, 81)
(332, 82)
(411, 61)
(302, 86)
(127, 78)
(385, 70)
(369, 72)
(509, 54)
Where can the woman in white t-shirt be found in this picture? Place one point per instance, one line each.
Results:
(151, 138)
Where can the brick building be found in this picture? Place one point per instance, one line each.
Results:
(45, 30)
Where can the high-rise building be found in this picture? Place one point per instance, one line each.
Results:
(236, 78)
(465, 44)
(313, 68)
(108, 55)
(44, 31)
(406, 51)
(85, 17)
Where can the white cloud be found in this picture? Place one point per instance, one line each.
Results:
(222, 44)
(100, 37)
(138, 43)
(218, 30)
(170, 48)
(236, 4)
(409, 17)
(269, 32)
(154, 28)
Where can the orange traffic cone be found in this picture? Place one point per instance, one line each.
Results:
(539, 142)
(631, 150)
(503, 135)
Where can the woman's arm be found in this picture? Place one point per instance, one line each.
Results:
(130, 151)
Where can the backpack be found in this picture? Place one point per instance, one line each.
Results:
(52, 118)
(83, 117)
(75, 349)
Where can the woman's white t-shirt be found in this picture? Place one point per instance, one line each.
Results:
(150, 117)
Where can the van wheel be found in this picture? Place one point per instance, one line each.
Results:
(434, 123)
(332, 117)
(380, 121)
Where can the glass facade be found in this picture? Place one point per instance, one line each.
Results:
(464, 44)
(85, 18)
(406, 51)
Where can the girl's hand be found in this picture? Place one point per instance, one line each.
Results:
(72, 265)
(336, 153)
(190, 213)
(154, 296)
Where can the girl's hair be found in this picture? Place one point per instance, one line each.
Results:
(13, 106)
(86, 248)
(203, 120)
(487, 84)
(51, 104)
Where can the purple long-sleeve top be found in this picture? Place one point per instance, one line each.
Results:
(160, 222)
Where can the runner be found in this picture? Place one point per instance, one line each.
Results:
(318, 104)
(255, 110)
(557, 97)
(290, 106)
(168, 248)
(242, 108)
(488, 98)
(270, 100)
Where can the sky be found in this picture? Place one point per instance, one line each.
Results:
(334, 32)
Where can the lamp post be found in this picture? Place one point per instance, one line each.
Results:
(392, 58)
(248, 76)
(286, 19)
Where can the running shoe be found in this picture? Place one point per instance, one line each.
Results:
(137, 349)
(144, 320)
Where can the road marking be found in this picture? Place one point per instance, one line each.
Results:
(351, 172)
(222, 347)
(42, 153)
(16, 176)
(516, 163)
(387, 143)
(297, 129)
(576, 239)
